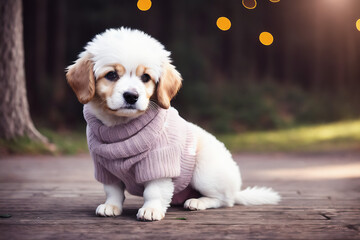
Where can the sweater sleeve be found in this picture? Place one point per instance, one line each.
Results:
(160, 163)
(102, 174)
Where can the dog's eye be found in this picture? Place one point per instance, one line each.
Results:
(145, 77)
(112, 76)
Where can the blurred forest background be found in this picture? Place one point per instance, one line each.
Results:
(232, 83)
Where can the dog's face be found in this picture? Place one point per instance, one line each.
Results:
(121, 70)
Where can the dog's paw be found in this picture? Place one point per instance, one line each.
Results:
(108, 210)
(150, 214)
(194, 204)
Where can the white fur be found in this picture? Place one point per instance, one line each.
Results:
(216, 175)
(157, 196)
(257, 196)
(114, 201)
(124, 84)
(108, 119)
(128, 47)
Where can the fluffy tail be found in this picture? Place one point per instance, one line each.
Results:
(257, 196)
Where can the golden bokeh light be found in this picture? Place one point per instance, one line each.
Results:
(144, 5)
(266, 38)
(274, 1)
(249, 4)
(223, 23)
(358, 24)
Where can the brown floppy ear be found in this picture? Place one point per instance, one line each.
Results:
(169, 84)
(80, 77)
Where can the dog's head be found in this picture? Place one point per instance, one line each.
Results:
(121, 70)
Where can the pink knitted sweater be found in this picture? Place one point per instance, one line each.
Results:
(158, 144)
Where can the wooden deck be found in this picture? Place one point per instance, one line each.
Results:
(56, 197)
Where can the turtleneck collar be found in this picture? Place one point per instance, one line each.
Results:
(128, 139)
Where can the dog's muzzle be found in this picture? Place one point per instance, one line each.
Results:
(131, 97)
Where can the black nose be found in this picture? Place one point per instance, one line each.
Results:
(131, 97)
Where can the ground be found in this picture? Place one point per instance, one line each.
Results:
(56, 197)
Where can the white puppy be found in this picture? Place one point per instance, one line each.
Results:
(139, 143)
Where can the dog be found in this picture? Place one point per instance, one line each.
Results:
(139, 143)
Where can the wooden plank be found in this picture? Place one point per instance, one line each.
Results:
(55, 198)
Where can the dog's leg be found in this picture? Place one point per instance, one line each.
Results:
(114, 200)
(157, 196)
(216, 176)
(202, 203)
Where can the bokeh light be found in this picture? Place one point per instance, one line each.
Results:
(144, 5)
(223, 23)
(266, 38)
(358, 24)
(249, 4)
(274, 1)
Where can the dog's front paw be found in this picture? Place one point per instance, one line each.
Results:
(194, 204)
(150, 214)
(108, 210)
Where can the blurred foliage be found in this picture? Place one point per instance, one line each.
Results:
(250, 106)
(232, 83)
(22, 146)
(339, 136)
(67, 142)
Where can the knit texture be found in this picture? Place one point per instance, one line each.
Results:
(158, 144)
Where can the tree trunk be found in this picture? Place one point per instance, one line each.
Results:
(15, 120)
